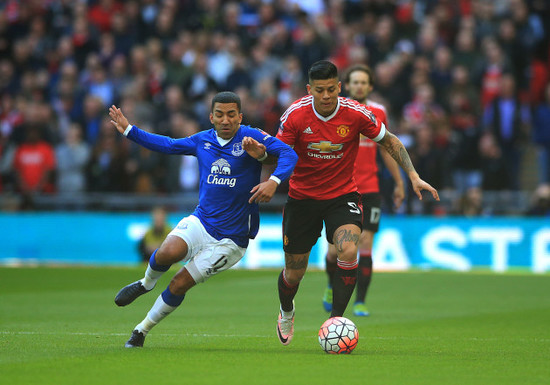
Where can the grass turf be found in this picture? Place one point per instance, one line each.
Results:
(61, 326)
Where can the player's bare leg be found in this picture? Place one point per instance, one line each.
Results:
(289, 281)
(346, 241)
(364, 273)
(165, 304)
(172, 250)
(330, 269)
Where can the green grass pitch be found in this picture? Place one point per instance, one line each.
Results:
(61, 326)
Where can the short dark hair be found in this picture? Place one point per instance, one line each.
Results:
(322, 70)
(360, 67)
(226, 97)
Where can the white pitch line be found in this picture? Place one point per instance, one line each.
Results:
(394, 338)
(124, 334)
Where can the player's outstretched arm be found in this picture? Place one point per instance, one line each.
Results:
(153, 142)
(395, 148)
(118, 119)
(393, 168)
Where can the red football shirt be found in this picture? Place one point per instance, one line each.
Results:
(366, 169)
(32, 161)
(326, 146)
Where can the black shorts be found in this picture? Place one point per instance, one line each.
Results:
(303, 220)
(371, 211)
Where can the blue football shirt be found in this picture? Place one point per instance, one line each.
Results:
(227, 174)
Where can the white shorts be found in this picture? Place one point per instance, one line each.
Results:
(206, 256)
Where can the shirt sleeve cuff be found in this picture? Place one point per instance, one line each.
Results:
(381, 133)
(127, 131)
(273, 177)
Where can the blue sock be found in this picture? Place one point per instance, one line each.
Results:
(153, 273)
(155, 266)
(172, 299)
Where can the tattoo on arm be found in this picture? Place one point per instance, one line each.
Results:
(398, 152)
(344, 236)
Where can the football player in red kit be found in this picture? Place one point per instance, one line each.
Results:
(324, 130)
(358, 82)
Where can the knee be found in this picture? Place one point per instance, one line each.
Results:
(181, 283)
(331, 254)
(293, 277)
(348, 254)
(171, 252)
(177, 285)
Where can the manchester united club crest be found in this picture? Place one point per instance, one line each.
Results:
(342, 130)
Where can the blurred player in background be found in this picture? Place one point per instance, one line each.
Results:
(324, 130)
(215, 236)
(155, 234)
(358, 83)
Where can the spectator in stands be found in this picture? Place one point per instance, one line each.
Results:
(463, 107)
(490, 70)
(34, 163)
(540, 204)
(201, 83)
(72, 157)
(470, 203)
(176, 72)
(239, 77)
(145, 170)
(289, 78)
(493, 164)
(309, 47)
(101, 13)
(441, 71)
(101, 86)
(381, 43)
(186, 169)
(514, 49)
(105, 171)
(541, 137)
(465, 50)
(507, 119)
(119, 76)
(91, 118)
(50, 52)
(423, 109)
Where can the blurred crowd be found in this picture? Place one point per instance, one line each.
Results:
(466, 83)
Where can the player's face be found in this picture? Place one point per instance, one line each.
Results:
(226, 119)
(359, 86)
(325, 95)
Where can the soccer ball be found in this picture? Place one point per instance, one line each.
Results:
(338, 335)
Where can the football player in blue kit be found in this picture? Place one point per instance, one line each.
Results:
(215, 236)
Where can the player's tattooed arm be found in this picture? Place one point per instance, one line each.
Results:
(395, 148)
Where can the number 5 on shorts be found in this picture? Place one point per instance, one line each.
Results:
(354, 208)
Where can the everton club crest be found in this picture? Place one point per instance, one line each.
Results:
(237, 149)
